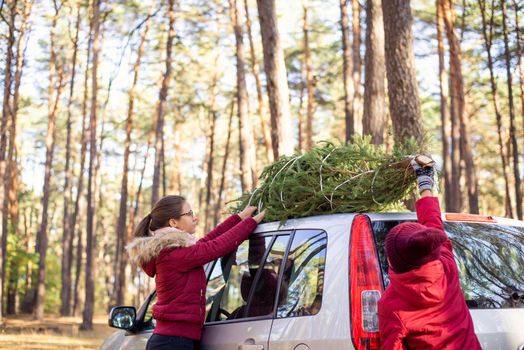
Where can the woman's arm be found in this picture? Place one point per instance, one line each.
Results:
(221, 228)
(206, 251)
(229, 223)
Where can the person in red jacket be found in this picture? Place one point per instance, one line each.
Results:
(423, 306)
(165, 248)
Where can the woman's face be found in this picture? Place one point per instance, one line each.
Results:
(187, 221)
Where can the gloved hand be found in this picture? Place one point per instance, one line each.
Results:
(424, 175)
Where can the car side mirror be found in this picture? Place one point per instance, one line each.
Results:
(123, 317)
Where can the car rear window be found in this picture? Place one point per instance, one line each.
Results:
(489, 259)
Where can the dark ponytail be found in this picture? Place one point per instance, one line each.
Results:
(142, 229)
(167, 208)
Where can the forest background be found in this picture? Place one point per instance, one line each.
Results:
(107, 105)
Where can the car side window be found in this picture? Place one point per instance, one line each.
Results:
(149, 321)
(302, 282)
(234, 277)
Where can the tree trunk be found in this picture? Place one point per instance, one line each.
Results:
(218, 205)
(6, 111)
(309, 79)
(246, 148)
(210, 162)
(80, 187)
(519, 59)
(121, 227)
(162, 97)
(65, 291)
(458, 110)
(11, 208)
(488, 39)
(512, 128)
(347, 71)
(53, 101)
(357, 68)
(444, 111)
(87, 315)
(261, 110)
(404, 104)
(375, 63)
(277, 86)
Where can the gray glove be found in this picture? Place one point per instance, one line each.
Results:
(424, 176)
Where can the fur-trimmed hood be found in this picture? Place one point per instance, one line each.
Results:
(142, 250)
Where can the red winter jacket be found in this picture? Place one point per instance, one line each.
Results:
(177, 262)
(425, 308)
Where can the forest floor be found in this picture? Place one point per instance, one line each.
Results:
(53, 332)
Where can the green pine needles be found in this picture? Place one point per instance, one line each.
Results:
(348, 178)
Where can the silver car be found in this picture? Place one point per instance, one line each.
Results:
(314, 283)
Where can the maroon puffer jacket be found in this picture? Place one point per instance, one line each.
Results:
(425, 308)
(177, 262)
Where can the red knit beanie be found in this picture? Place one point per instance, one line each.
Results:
(410, 245)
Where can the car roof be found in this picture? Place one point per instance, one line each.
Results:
(324, 221)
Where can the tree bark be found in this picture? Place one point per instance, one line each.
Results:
(162, 97)
(87, 315)
(357, 68)
(261, 110)
(65, 291)
(6, 112)
(121, 227)
(458, 104)
(519, 59)
(488, 39)
(375, 63)
(347, 71)
(309, 78)
(404, 104)
(512, 127)
(80, 185)
(246, 148)
(53, 101)
(218, 205)
(277, 86)
(444, 110)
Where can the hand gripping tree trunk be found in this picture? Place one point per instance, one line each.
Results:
(404, 104)
(374, 89)
(277, 86)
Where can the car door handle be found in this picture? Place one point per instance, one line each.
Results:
(250, 347)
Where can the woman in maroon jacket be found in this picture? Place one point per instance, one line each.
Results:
(423, 306)
(166, 248)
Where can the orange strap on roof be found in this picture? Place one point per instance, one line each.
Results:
(469, 218)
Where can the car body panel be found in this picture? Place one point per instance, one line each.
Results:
(330, 328)
(230, 335)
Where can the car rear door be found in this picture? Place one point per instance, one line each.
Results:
(241, 293)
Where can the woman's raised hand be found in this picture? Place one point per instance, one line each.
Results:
(259, 217)
(247, 212)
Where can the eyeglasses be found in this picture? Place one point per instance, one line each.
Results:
(189, 213)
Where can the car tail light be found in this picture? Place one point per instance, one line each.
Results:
(365, 285)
